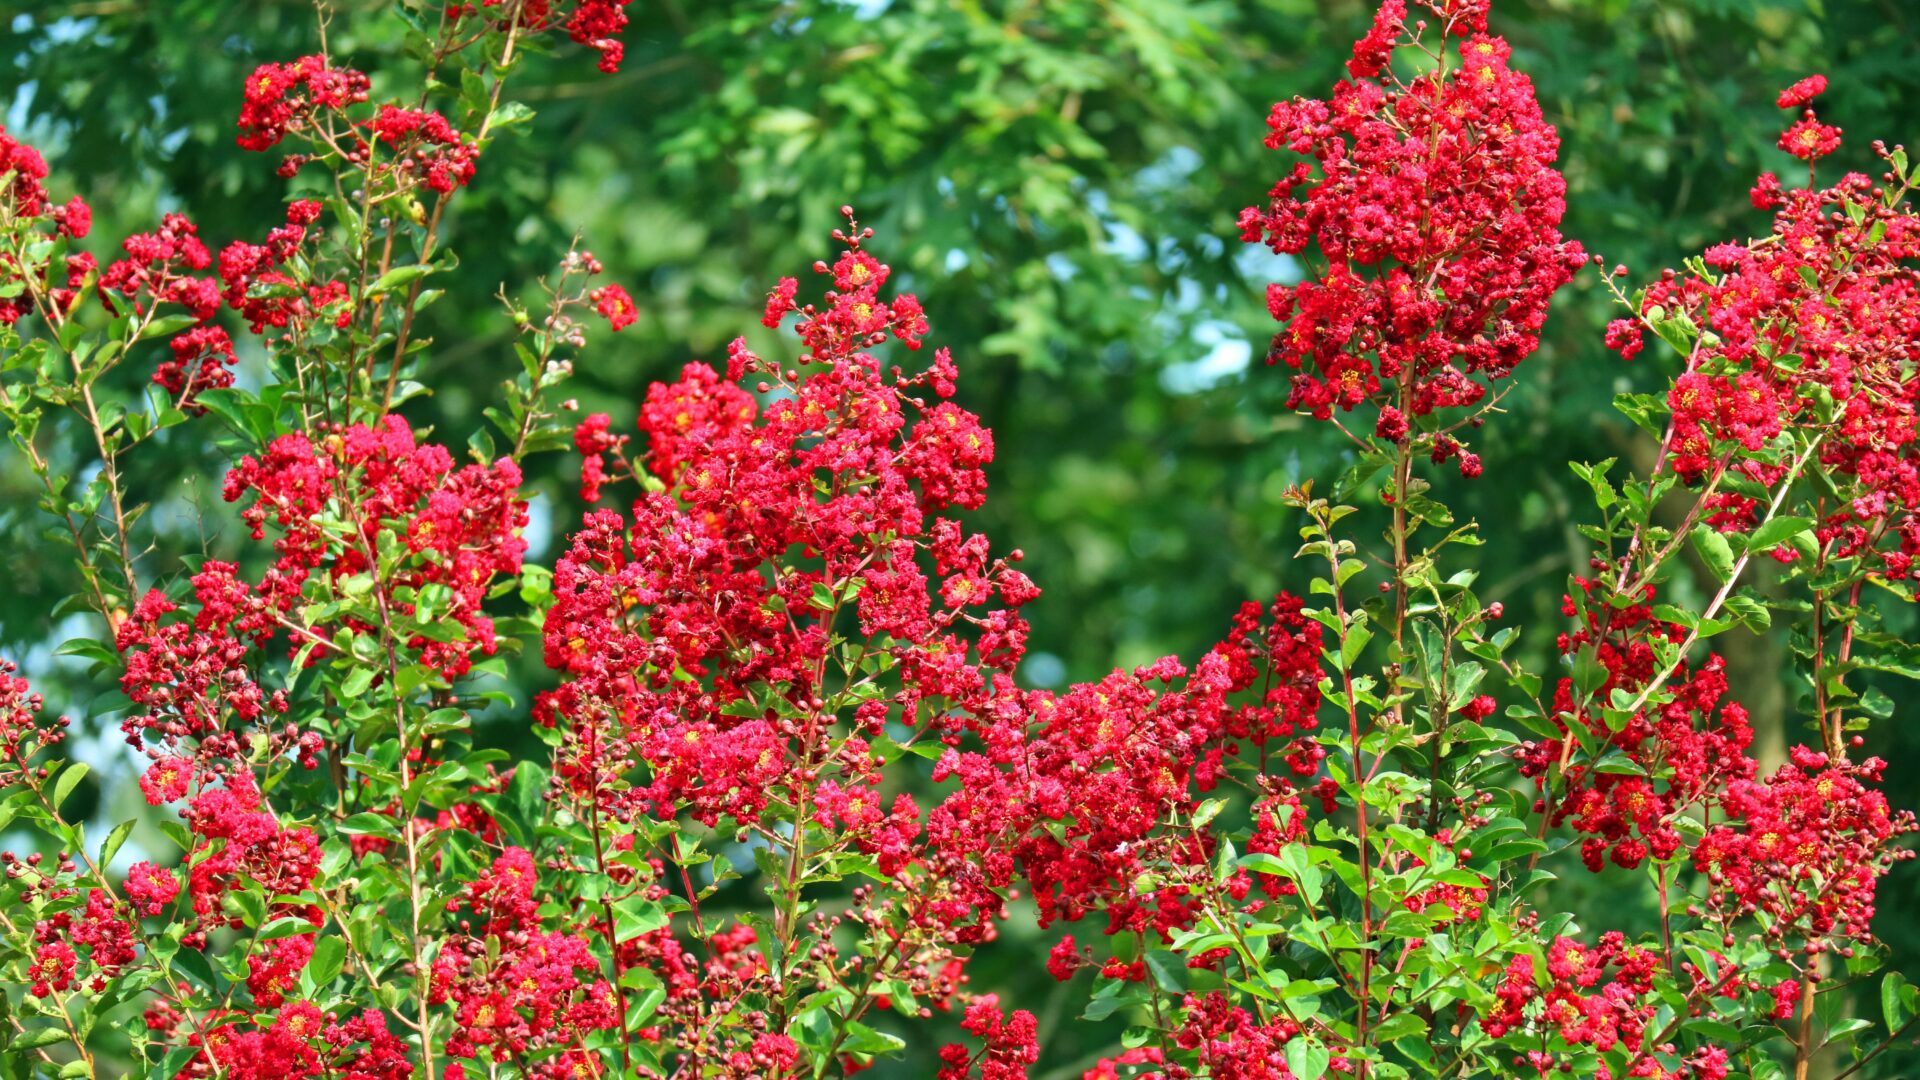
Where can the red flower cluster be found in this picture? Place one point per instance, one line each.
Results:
(856, 316)
(22, 733)
(1010, 1043)
(283, 98)
(26, 196)
(1604, 998)
(1803, 849)
(162, 267)
(52, 970)
(1229, 1041)
(782, 595)
(150, 888)
(598, 23)
(238, 843)
(1809, 327)
(595, 440)
(1662, 762)
(105, 937)
(24, 200)
(73, 219)
(1803, 92)
(1597, 996)
(202, 360)
(300, 1041)
(253, 283)
(515, 988)
(302, 97)
(200, 703)
(614, 305)
(462, 526)
(425, 148)
(1087, 789)
(1437, 209)
(1809, 139)
(1709, 409)
(25, 169)
(1282, 658)
(702, 582)
(1103, 765)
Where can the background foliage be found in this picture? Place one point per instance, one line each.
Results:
(1056, 179)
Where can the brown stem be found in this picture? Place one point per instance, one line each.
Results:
(1726, 588)
(423, 976)
(1837, 743)
(1803, 1046)
(88, 571)
(1359, 808)
(433, 223)
(613, 946)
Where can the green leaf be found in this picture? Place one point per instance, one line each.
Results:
(1398, 1026)
(329, 955)
(1752, 613)
(166, 325)
(370, 824)
(1776, 531)
(1713, 550)
(356, 683)
(635, 916)
(229, 404)
(861, 1039)
(397, 278)
(65, 782)
(98, 652)
(1508, 850)
(1604, 495)
(1677, 331)
(1847, 1027)
(1351, 646)
(176, 1060)
(1113, 998)
(195, 964)
(1896, 1001)
(36, 1038)
(1307, 1059)
(251, 905)
(111, 846)
(526, 789)
(1355, 476)
(1169, 970)
(1589, 674)
(1262, 862)
(1647, 411)
(1619, 764)
(473, 90)
(511, 114)
(285, 926)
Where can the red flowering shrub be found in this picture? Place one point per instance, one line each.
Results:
(785, 668)
(1367, 910)
(742, 652)
(1435, 206)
